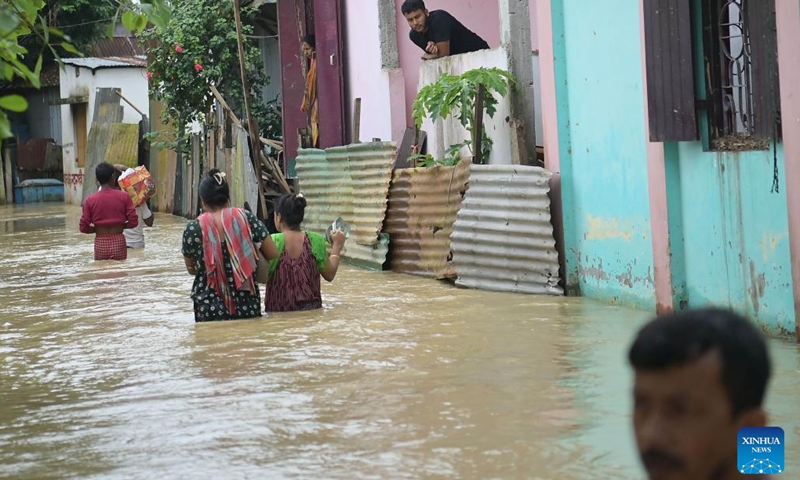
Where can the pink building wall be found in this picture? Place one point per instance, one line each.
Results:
(659, 212)
(364, 77)
(788, 22)
(480, 16)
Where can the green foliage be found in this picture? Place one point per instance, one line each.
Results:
(22, 20)
(455, 96)
(82, 20)
(427, 160)
(197, 48)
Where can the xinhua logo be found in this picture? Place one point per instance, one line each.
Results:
(761, 450)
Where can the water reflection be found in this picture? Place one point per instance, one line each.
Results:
(105, 375)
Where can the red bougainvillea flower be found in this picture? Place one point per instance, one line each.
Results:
(149, 76)
(178, 48)
(198, 67)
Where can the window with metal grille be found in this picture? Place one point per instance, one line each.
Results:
(713, 63)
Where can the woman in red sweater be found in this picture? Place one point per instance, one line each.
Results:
(106, 214)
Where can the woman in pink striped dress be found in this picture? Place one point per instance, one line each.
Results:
(294, 277)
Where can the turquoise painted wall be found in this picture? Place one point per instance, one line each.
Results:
(734, 233)
(729, 232)
(602, 134)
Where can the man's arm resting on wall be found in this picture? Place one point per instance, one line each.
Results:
(437, 50)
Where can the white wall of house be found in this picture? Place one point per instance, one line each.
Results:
(444, 133)
(365, 76)
(80, 81)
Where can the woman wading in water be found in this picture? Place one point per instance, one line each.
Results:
(219, 250)
(302, 258)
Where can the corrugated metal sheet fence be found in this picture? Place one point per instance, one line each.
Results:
(503, 239)
(351, 182)
(423, 203)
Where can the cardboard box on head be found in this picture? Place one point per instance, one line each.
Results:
(138, 183)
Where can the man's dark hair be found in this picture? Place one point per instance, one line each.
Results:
(679, 338)
(214, 189)
(104, 172)
(311, 40)
(292, 209)
(412, 6)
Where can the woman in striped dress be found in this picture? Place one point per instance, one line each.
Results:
(294, 277)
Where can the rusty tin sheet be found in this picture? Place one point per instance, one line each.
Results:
(423, 204)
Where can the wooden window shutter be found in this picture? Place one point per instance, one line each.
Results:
(670, 70)
(762, 28)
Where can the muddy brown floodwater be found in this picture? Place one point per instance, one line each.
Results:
(105, 375)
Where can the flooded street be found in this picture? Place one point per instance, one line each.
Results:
(105, 375)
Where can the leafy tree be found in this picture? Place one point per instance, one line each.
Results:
(22, 18)
(196, 49)
(83, 21)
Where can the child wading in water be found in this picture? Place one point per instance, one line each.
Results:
(302, 258)
(107, 214)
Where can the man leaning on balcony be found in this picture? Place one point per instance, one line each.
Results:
(438, 33)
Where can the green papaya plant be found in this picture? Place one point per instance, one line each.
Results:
(455, 96)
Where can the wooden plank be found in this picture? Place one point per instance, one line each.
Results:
(764, 57)
(477, 119)
(107, 110)
(195, 177)
(177, 193)
(169, 169)
(225, 107)
(3, 197)
(71, 100)
(130, 103)
(163, 163)
(292, 79)
(211, 151)
(406, 148)
(97, 146)
(79, 116)
(357, 121)
(274, 170)
(330, 72)
(123, 146)
(670, 70)
(144, 144)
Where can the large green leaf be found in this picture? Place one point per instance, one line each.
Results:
(5, 126)
(14, 103)
(70, 48)
(129, 20)
(8, 20)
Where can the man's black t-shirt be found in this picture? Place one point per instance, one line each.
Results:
(443, 27)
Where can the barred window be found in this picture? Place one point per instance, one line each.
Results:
(736, 92)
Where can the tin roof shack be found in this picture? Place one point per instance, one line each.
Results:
(81, 78)
(37, 132)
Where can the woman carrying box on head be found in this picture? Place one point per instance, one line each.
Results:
(134, 237)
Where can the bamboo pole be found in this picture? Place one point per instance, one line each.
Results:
(252, 126)
(267, 162)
